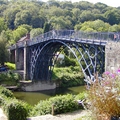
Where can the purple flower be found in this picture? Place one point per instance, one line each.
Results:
(112, 75)
(118, 70)
(107, 72)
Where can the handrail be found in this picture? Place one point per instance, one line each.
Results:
(69, 35)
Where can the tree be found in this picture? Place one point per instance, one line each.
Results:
(3, 25)
(97, 25)
(37, 22)
(76, 14)
(19, 33)
(22, 17)
(47, 27)
(9, 16)
(84, 5)
(86, 16)
(28, 27)
(113, 16)
(114, 28)
(3, 50)
(100, 6)
(60, 23)
(35, 32)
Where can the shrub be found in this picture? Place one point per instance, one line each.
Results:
(9, 78)
(64, 103)
(68, 76)
(61, 103)
(42, 108)
(81, 96)
(11, 66)
(16, 110)
(6, 92)
(104, 96)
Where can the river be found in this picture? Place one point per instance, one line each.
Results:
(34, 97)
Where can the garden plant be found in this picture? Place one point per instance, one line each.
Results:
(104, 96)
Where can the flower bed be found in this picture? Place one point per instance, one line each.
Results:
(104, 96)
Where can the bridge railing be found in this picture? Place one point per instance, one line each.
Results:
(70, 35)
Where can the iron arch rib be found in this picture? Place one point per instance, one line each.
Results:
(90, 58)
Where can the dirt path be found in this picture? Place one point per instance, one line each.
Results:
(2, 115)
(68, 116)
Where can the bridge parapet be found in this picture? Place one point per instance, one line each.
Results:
(72, 35)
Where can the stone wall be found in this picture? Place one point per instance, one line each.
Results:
(37, 86)
(20, 59)
(112, 56)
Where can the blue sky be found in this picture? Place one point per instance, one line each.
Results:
(113, 3)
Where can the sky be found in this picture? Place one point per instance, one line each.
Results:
(113, 3)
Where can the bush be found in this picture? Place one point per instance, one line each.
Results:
(64, 103)
(6, 92)
(104, 96)
(11, 66)
(61, 103)
(9, 78)
(42, 108)
(68, 76)
(16, 110)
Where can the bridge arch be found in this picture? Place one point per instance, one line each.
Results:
(90, 57)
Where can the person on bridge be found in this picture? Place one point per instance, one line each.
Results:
(53, 33)
(115, 36)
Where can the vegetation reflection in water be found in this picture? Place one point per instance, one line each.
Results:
(34, 97)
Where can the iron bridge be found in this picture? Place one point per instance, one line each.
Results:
(87, 47)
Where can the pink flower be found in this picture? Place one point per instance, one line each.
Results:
(106, 83)
(112, 75)
(118, 70)
(107, 72)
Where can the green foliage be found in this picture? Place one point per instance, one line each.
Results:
(16, 110)
(9, 78)
(42, 108)
(3, 50)
(6, 92)
(27, 27)
(11, 66)
(68, 76)
(81, 96)
(97, 25)
(69, 62)
(66, 62)
(47, 27)
(13, 108)
(104, 95)
(61, 104)
(56, 15)
(64, 103)
(3, 25)
(35, 32)
(19, 32)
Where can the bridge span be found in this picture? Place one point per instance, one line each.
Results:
(98, 52)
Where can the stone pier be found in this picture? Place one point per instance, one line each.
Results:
(112, 56)
(37, 86)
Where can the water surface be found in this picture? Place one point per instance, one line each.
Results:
(34, 97)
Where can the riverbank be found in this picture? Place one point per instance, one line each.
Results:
(66, 116)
